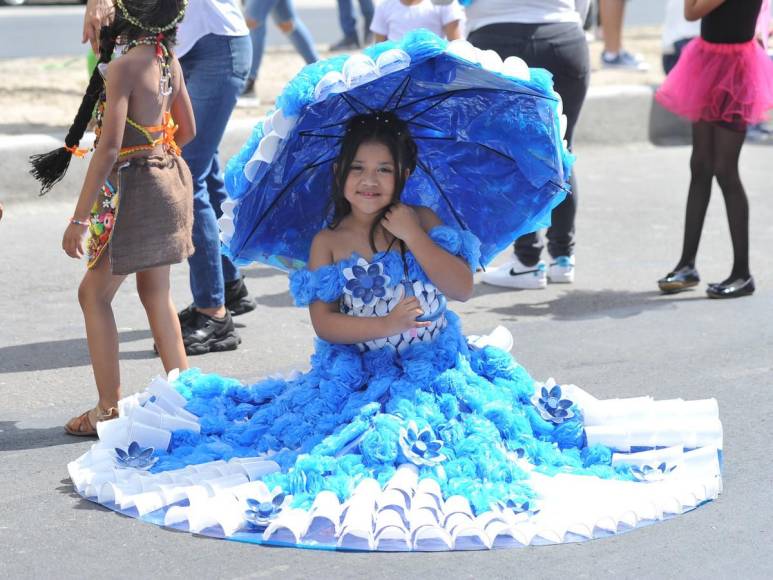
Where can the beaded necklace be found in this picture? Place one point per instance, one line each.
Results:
(162, 54)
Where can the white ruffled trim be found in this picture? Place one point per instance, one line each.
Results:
(408, 513)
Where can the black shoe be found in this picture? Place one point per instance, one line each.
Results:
(678, 280)
(733, 289)
(186, 316)
(207, 334)
(237, 298)
(346, 43)
(249, 88)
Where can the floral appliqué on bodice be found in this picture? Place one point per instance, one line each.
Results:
(369, 292)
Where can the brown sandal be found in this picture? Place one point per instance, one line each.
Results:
(85, 425)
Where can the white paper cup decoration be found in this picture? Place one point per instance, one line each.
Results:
(516, 67)
(463, 50)
(265, 153)
(490, 60)
(331, 83)
(392, 60)
(282, 125)
(358, 70)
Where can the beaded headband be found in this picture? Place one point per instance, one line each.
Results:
(377, 118)
(156, 29)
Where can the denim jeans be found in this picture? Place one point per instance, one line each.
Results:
(346, 16)
(215, 71)
(281, 11)
(560, 48)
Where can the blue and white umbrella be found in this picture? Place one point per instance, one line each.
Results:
(491, 155)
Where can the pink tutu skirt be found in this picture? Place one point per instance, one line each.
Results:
(721, 83)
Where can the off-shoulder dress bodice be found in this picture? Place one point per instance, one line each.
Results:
(368, 288)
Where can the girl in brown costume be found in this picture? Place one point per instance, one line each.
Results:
(136, 199)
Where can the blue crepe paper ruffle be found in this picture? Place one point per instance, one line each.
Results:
(476, 401)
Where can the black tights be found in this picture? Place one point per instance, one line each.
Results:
(715, 152)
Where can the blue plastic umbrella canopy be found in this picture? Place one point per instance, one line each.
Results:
(491, 157)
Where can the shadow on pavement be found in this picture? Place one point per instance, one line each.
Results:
(262, 272)
(56, 354)
(281, 300)
(588, 304)
(83, 504)
(13, 438)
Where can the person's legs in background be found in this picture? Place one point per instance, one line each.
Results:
(237, 298)
(562, 49)
(612, 14)
(728, 141)
(215, 70)
(283, 14)
(571, 77)
(255, 15)
(367, 9)
(348, 23)
(685, 275)
(288, 22)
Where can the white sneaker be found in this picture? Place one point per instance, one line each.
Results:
(514, 274)
(561, 270)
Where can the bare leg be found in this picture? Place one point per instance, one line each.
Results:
(153, 288)
(702, 173)
(612, 12)
(727, 149)
(95, 295)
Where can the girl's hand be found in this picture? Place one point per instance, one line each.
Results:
(402, 222)
(99, 13)
(403, 316)
(72, 241)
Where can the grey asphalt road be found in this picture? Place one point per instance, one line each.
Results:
(50, 29)
(611, 333)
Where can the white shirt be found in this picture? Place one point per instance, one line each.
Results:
(484, 12)
(393, 19)
(202, 17)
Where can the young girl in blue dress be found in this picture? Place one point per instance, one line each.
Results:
(376, 159)
(401, 435)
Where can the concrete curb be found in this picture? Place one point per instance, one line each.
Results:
(614, 115)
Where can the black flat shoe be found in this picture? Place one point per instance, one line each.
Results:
(734, 289)
(678, 280)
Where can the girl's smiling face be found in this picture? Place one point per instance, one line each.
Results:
(370, 183)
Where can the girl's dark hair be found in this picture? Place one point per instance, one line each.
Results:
(380, 127)
(49, 168)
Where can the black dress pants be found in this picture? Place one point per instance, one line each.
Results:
(560, 48)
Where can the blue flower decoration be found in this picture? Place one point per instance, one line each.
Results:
(151, 399)
(135, 457)
(260, 513)
(517, 507)
(550, 404)
(366, 281)
(421, 447)
(649, 474)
